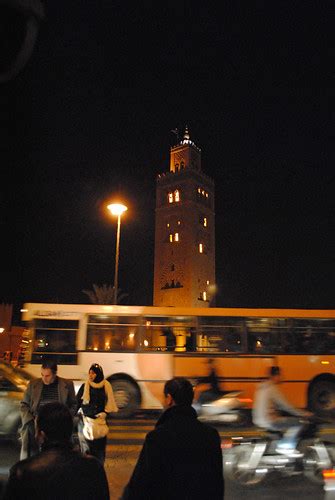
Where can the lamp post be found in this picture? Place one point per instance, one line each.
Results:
(117, 209)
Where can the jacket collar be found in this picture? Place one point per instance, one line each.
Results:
(176, 412)
(56, 445)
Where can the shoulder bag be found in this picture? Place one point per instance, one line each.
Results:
(95, 428)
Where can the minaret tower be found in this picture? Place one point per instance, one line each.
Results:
(184, 273)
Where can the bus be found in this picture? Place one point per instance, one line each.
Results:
(141, 347)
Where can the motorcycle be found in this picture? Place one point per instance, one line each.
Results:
(227, 407)
(251, 461)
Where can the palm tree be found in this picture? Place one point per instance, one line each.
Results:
(104, 294)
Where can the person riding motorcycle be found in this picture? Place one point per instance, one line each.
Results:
(269, 402)
(208, 388)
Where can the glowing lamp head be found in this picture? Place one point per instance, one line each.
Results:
(117, 208)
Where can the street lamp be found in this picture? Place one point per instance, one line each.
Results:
(117, 209)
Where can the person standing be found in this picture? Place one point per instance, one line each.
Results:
(44, 390)
(95, 398)
(58, 472)
(181, 458)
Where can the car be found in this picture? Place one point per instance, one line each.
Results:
(13, 383)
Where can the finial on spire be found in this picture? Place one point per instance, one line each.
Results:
(176, 133)
(186, 134)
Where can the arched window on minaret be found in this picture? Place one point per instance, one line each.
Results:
(177, 195)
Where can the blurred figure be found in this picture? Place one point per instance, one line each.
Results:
(208, 388)
(47, 389)
(95, 398)
(181, 458)
(170, 338)
(268, 405)
(8, 356)
(58, 472)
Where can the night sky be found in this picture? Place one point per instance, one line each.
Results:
(91, 115)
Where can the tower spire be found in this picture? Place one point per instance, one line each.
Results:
(186, 134)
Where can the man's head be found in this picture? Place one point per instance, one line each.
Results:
(48, 372)
(54, 423)
(178, 391)
(274, 374)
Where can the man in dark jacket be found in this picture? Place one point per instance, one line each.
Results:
(182, 457)
(58, 472)
(43, 390)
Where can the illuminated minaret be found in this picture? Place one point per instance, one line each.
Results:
(184, 273)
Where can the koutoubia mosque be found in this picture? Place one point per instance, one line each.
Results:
(184, 268)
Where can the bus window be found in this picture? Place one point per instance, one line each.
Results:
(267, 335)
(168, 334)
(111, 333)
(215, 335)
(55, 340)
(330, 341)
(315, 336)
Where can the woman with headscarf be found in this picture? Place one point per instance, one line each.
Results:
(95, 398)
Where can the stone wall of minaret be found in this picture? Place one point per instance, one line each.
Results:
(184, 269)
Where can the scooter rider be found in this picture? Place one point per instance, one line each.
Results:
(208, 388)
(268, 403)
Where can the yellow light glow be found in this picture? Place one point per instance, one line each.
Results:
(201, 248)
(325, 362)
(176, 236)
(131, 335)
(205, 221)
(117, 208)
(329, 473)
(146, 343)
(2, 330)
(95, 348)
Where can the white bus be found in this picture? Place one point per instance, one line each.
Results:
(140, 348)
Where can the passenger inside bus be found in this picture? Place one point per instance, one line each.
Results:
(170, 338)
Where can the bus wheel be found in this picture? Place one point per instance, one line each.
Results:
(322, 397)
(127, 397)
